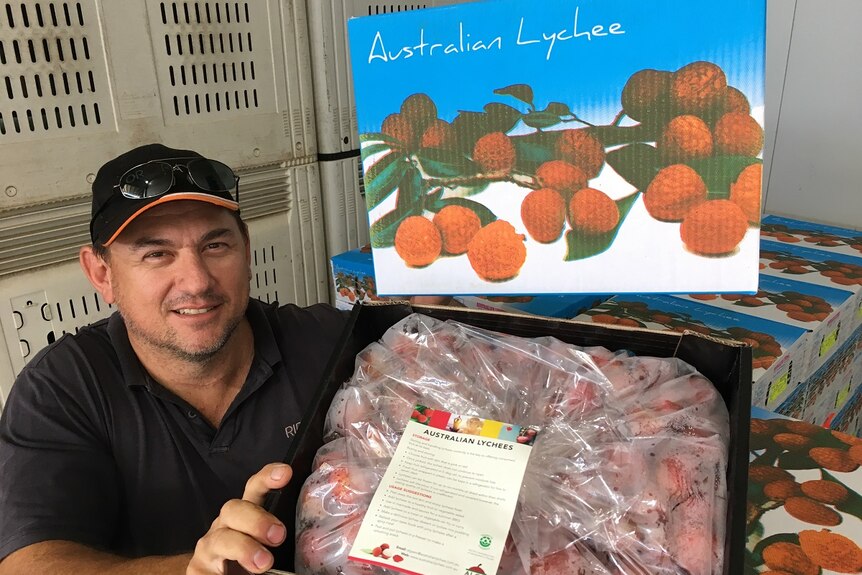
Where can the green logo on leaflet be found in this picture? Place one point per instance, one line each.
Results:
(485, 541)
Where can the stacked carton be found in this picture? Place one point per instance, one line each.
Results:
(849, 419)
(826, 256)
(778, 349)
(810, 282)
(826, 392)
(563, 306)
(353, 278)
(802, 478)
(353, 281)
(826, 313)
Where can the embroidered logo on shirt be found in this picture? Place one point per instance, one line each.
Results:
(291, 430)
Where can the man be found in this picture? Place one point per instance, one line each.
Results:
(145, 443)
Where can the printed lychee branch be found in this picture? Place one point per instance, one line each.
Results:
(692, 156)
(779, 445)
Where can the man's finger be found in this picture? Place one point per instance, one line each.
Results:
(273, 476)
(226, 544)
(245, 517)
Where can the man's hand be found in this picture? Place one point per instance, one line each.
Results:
(243, 529)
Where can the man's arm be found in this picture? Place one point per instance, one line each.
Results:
(67, 558)
(240, 533)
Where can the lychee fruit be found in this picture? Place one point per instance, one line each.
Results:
(745, 191)
(646, 95)
(738, 134)
(580, 148)
(785, 556)
(457, 226)
(811, 511)
(438, 134)
(497, 251)
(714, 227)
(831, 551)
(697, 87)
(673, 191)
(592, 211)
(685, 138)
(418, 241)
(735, 101)
(399, 128)
(562, 176)
(420, 110)
(494, 153)
(544, 213)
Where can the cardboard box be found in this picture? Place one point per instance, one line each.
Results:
(561, 306)
(820, 398)
(829, 388)
(472, 106)
(727, 365)
(814, 266)
(849, 419)
(826, 313)
(779, 350)
(820, 236)
(353, 278)
(794, 405)
(802, 478)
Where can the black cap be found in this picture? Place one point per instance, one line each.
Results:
(112, 211)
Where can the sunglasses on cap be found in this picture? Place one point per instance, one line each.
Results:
(156, 177)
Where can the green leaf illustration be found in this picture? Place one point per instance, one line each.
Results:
(486, 216)
(522, 92)
(477, 189)
(372, 149)
(439, 163)
(757, 530)
(751, 564)
(501, 118)
(853, 504)
(411, 192)
(559, 109)
(378, 137)
(383, 230)
(541, 120)
(788, 460)
(382, 178)
(755, 493)
(410, 203)
(719, 172)
(433, 197)
(532, 151)
(582, 246)
(636, 163)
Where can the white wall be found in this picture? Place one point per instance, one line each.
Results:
(813, 155)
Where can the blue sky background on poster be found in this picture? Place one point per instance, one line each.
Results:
(531, 42)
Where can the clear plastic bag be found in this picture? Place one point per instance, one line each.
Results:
(626, 477)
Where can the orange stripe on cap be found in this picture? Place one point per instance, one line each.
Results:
(208, 198)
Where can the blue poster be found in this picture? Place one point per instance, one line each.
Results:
(524, 147)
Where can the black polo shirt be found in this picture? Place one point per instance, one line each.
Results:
(93, 450)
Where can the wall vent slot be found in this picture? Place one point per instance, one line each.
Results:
(52, 85)
(206, 61)
(387, 9)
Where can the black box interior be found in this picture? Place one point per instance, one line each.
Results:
(726, 364)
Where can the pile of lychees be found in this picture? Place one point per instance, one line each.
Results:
(693, 115)
(701, 116)
(497, 250)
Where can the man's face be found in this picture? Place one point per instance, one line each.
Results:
(179, 275)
